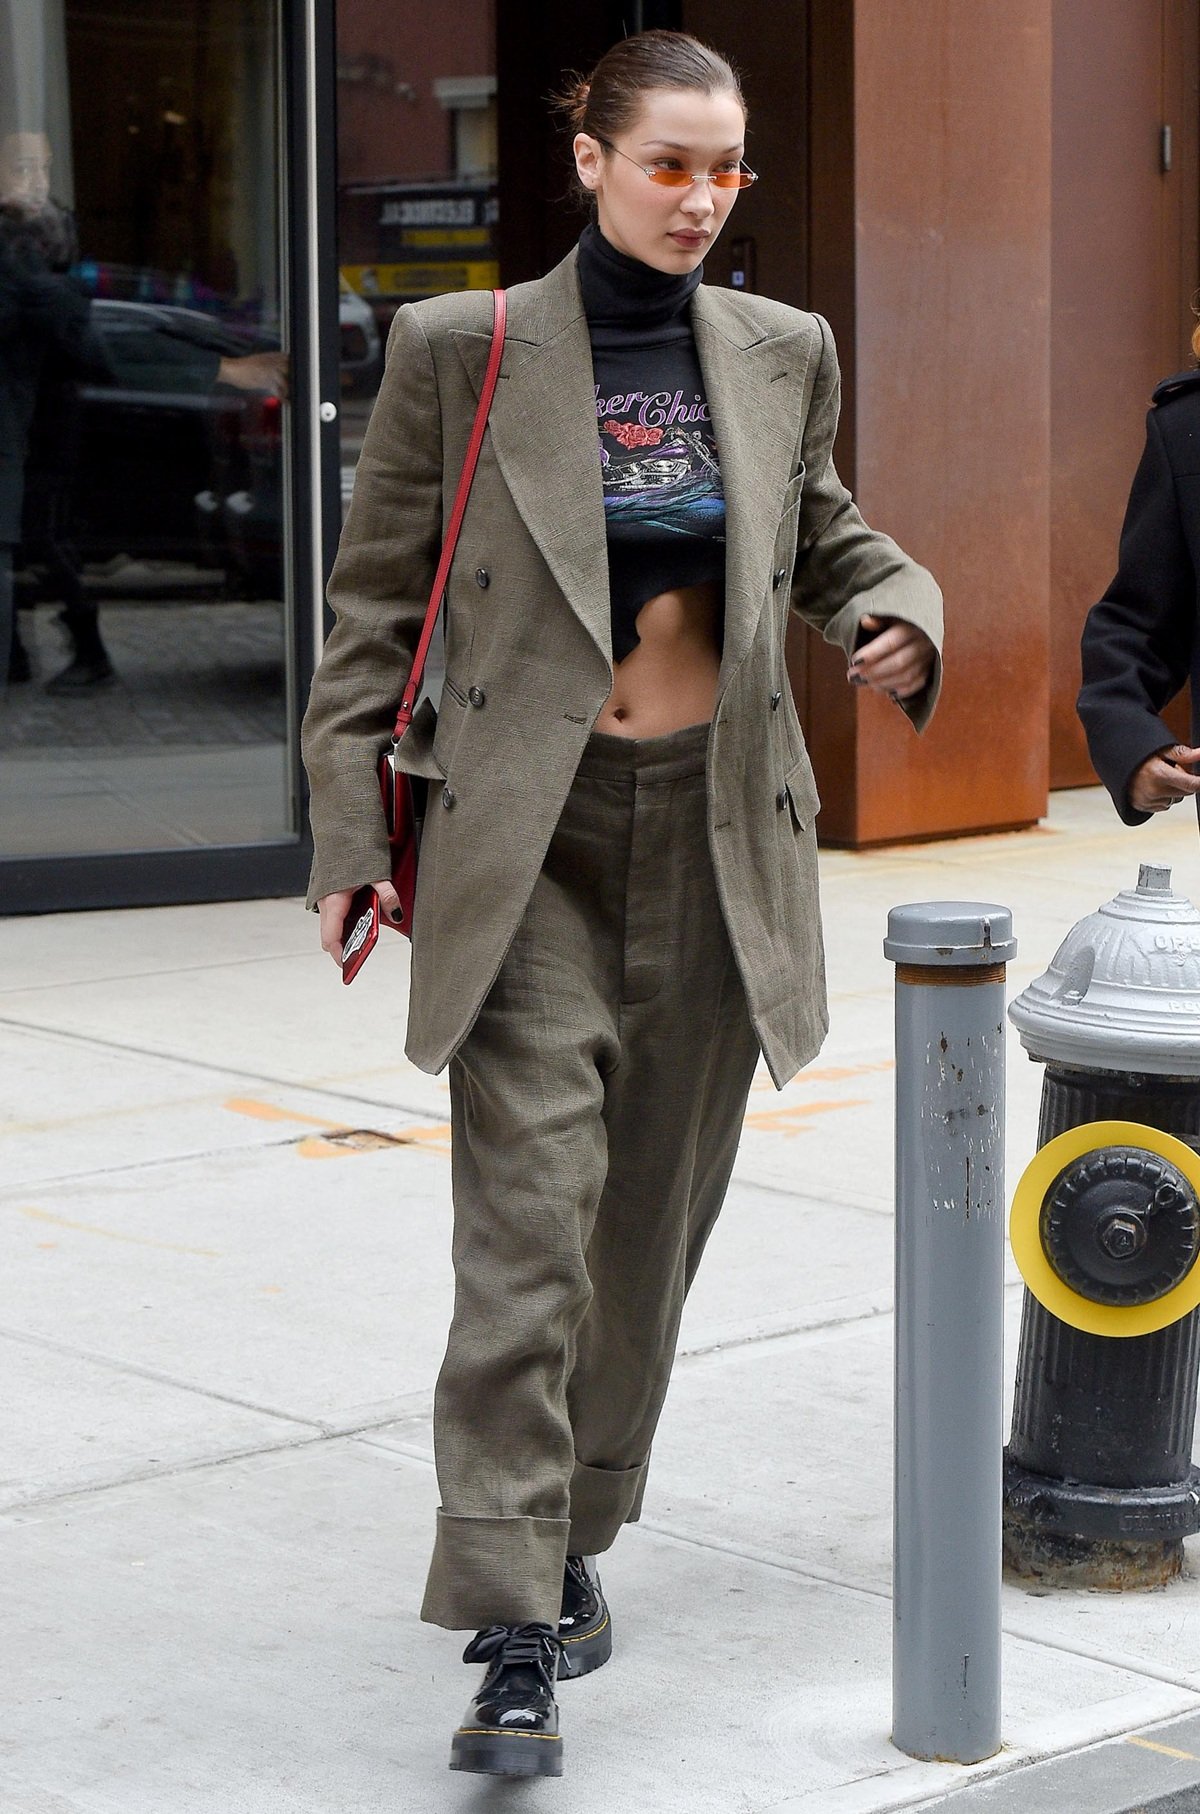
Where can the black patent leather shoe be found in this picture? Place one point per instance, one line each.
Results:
(584, 1627)
(511, 1727)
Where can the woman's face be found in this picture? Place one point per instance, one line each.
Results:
(677, 129)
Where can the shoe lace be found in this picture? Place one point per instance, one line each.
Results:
(577, 1569)
(509, 1646)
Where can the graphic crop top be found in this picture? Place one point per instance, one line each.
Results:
(664, 507)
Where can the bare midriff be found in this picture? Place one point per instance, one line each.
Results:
(669, 679)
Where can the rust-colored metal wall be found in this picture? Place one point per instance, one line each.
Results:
(949, 396)
(1123, 267)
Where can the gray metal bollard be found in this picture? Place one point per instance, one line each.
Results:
(950, 1213)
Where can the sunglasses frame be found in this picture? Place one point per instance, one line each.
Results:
(664, 179)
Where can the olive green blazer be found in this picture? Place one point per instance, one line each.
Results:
(528, 657)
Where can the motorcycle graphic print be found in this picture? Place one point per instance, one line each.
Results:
(658, 458)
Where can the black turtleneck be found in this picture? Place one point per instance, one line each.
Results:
(663, 502)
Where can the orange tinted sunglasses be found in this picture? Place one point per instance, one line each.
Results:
(741, 178)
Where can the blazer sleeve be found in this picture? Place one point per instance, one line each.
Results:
(846, 571)
(1137, 641)
(378, 591)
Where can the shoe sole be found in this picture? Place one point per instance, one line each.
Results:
(590, 1650)
(492, 1752)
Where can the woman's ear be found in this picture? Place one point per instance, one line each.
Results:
(588, 159)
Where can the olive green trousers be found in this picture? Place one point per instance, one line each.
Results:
(595, 1109)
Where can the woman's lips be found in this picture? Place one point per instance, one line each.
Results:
(690, 240)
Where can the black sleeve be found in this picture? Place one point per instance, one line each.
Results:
(151, 359)
(1137, 641)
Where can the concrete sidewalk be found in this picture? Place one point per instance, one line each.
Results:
(224, 1208)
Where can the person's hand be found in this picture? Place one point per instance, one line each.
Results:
(1164, 779)
(333, 909)
(897, 660)
(256, 372)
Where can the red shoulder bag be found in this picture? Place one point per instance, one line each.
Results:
(402, 808)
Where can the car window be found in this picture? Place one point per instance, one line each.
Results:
(159, 350)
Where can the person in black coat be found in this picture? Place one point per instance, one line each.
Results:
(43, 314)
(1141, 642)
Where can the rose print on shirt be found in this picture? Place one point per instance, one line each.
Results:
(631, 434)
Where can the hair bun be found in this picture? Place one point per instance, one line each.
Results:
(571, 101)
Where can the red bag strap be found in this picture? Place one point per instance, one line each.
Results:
(412, 686)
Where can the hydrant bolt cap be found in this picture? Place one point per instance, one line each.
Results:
(1121, 1226)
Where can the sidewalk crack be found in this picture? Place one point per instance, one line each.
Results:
(338, 1091)
(29, 1338)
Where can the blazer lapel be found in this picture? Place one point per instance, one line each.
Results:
(754, 383)
(543, 430)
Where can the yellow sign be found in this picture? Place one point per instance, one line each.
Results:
(433, 238)
(421, 280)
(1025, 1232)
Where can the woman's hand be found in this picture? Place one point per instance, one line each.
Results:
(1164, 779)
(333, 909)
(897, 661)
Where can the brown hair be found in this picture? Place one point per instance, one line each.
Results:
(1196, 340)
(605, 103)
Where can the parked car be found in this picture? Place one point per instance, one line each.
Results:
(165, 446)
(176, 466)
(361, 351)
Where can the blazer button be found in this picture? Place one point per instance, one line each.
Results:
(780, 576)
(775, 698)
(477, 696)
(781, 798)
(483, 578)
(450, 798)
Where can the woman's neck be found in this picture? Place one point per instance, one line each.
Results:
(622, 291)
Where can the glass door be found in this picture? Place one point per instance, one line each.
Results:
(160, 440)
(417, 202)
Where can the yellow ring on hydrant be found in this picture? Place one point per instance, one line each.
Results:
(1024, 1231)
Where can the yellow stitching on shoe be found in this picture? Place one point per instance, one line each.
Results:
(584, 1635)
(503, 1732)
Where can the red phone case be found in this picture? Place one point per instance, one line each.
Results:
(359, 932)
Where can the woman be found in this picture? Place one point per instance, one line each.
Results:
(1141, 642)
(617, 903)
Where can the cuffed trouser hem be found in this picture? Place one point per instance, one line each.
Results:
(602, 1500)
(495, 1571)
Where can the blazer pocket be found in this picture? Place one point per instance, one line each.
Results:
(802, 794)
(793, 488)
(414, 753)
(452, 715)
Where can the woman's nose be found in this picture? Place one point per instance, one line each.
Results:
(699, 202)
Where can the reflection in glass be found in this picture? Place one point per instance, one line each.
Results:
(417, 174)
(143, 623)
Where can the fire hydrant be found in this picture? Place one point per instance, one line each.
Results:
(1099, 1487)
